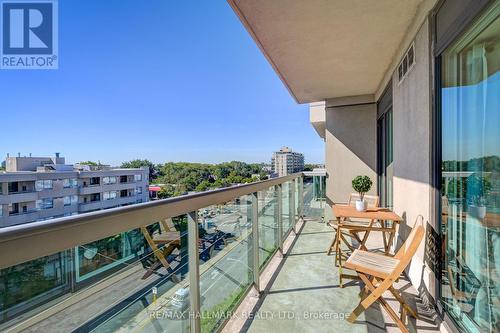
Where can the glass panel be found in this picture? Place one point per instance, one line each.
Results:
(385, 159)
(226, 259)
(285, 214)
(268, 224)
(314, 196)
(297, 193)
(135, 279)
(471, 176)
(30, 284)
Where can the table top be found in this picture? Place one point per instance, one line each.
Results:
(379, 213)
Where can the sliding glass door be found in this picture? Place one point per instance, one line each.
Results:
(470, 184)
(385, 157)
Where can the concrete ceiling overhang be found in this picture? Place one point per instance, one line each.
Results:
(328, 48)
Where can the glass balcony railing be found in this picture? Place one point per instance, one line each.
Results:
(175, 265)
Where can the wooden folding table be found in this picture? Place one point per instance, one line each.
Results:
(377, 219)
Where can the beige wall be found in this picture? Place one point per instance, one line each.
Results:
(351, 148)
(412, 151)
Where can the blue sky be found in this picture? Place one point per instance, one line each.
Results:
(471, 120)
(156, 79)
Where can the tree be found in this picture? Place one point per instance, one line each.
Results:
(91, 163)
(138, 163)
(309, 167)
(203, 186)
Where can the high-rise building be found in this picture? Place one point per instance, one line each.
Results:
(286, 162)
(40, 188)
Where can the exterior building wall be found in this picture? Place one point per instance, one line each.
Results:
(412, 182)
(26, 197)
(351, 148)
(285, 162)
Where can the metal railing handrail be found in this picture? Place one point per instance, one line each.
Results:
(33, 240)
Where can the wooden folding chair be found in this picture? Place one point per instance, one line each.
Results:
(169, 239)
(379, 272)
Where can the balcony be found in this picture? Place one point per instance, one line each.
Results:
(20, 196)
(151, 266)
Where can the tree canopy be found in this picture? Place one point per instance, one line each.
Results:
(182, 177)
(138, 163)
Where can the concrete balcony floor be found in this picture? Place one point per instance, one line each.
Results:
(301, 293)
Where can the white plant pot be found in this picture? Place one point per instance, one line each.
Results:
(361, 205)
(477, 211)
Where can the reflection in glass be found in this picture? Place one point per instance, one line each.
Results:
(226, 258)
(286, 205)
(471, 176)
(268, 224)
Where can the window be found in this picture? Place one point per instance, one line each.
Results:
(95, 197)
(109, 195)
(70, 200)
(13, 208)
(70, 182)
(95, 181)
(138, 178)
(406, 63)
(123, 193)
(13, 187)
(109, 180)
(123, 179)
(470, 177)
(41, 185)
(385, 158)
(45, 203)
(138, 190)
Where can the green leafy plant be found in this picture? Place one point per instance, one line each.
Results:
(362, 184)
(478, 188)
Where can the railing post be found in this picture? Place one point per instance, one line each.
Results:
(255, 239)
(291, 204)
(194, 271)
(301, 196)
(280, 217)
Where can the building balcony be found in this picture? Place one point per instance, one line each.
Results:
(18, 218)
(148, 267)
(20, 196)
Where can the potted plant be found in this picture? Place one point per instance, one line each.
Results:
(361, 184)
(477, 189)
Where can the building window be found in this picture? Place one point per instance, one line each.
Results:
(109, 180)
(46, 203)
(95, 197)
(70, 182)
(41, 185)
(138, 178)
(385, 158)
(109, 195)
(123, 179)
(470, 183)
(95, 181)
(70, 200)
(13, 187)
(138, 190)
(14, 208)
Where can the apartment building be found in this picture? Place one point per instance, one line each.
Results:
(40, 188)
(407, 93)
(285, 162)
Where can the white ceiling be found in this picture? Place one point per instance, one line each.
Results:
(328, 48)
